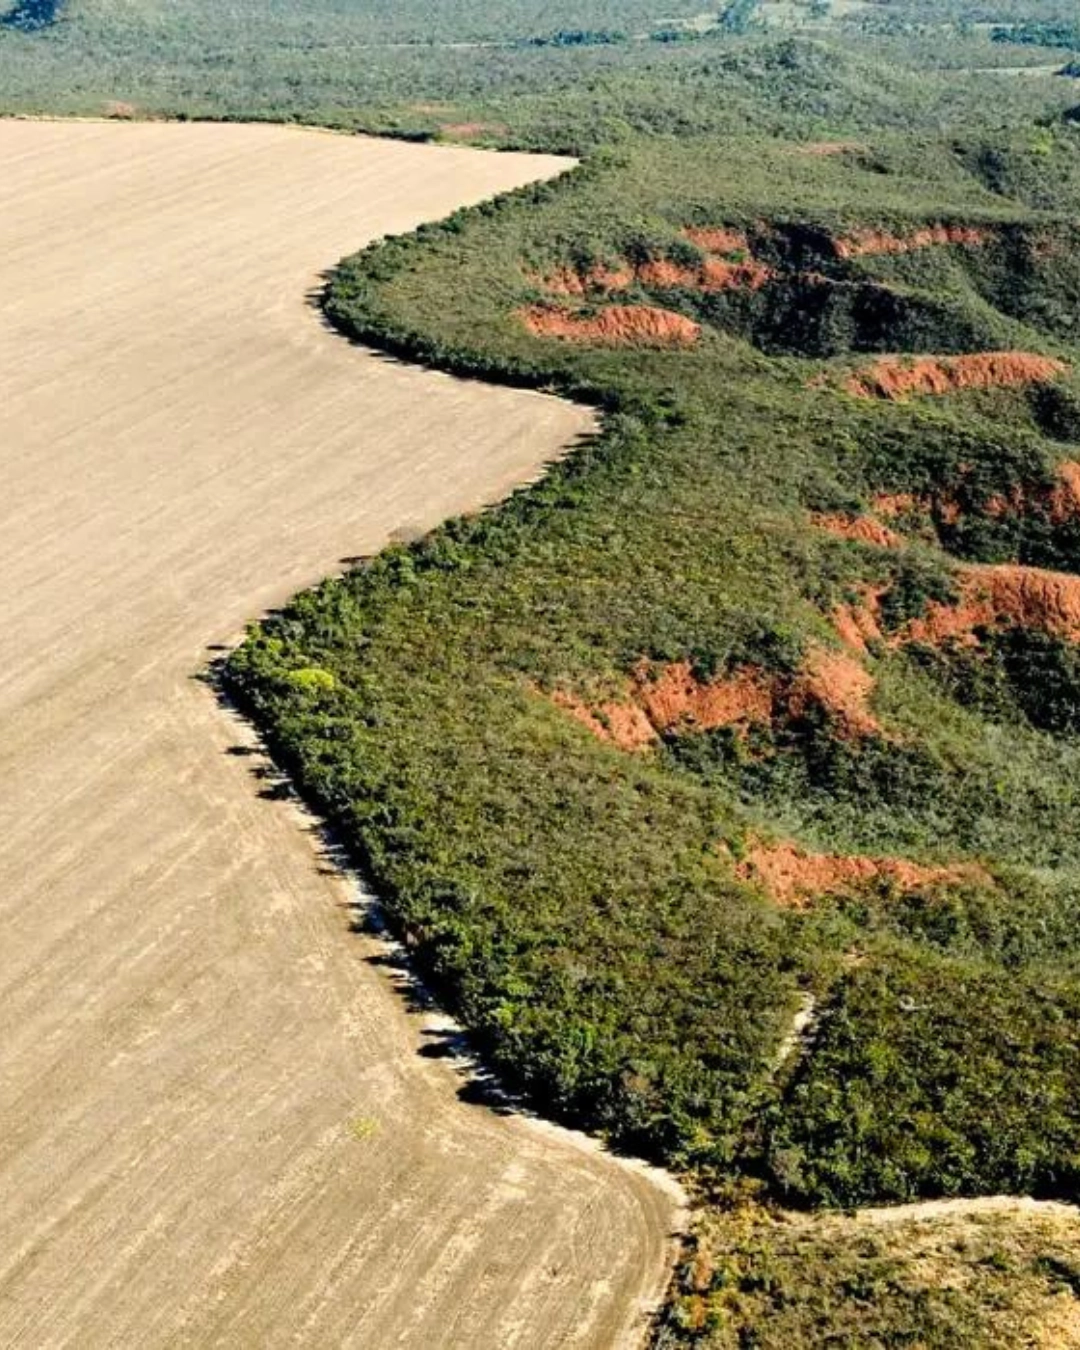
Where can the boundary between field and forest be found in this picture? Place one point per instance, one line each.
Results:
(357, 318)
(376, 334)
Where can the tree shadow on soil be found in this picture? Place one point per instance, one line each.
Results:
(478, 1086)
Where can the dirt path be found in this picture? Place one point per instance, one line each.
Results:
(961, 1208)
(215, 1125)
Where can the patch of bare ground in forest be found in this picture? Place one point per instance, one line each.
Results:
(613, 326)
(838, 683)
(992, 596)
(1002, 595)
(899, 377)
(727, 266)
(865, 243)
(862, 529)
(710, 277)
(1058, 503)
(570, 281)
(673, 698)
(793, 877)
(893, 504)
(718, 239)
(857, 623)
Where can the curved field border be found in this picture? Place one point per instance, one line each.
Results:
(354, 303)
(218, 1123)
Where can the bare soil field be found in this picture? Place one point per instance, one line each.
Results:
(216, 1125)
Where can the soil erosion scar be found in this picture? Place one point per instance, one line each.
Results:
(217, 1129)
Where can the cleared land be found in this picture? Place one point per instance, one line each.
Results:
(215, 1125)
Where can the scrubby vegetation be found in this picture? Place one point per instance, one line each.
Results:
(562, 733)
(569, 76)
(956, 1282)
(1040, 34)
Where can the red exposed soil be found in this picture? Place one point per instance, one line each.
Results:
(947, 623)
(662, 274)
(1061, 503)
(838, 683)
(867, 243)
(718, 275)
(862, 529)
(1003, 595)
(894, 377)
(675, 697)
(715, 274)
(792, 876)
(856, 626)
(999, 595)
(858, 623)
(615, 326)
(623, 724)
(670, 697)
(893, 504)
(718, 239)
(566, 281)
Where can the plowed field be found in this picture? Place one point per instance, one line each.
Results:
(216, 1127)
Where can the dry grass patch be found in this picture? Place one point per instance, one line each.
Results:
(1000, 1276)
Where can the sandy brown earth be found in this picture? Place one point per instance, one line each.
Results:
(216, 1128)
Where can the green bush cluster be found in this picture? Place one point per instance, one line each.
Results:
(932, 1075)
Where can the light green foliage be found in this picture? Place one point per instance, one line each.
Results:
(311, 680)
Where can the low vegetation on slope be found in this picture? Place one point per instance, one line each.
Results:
(949, 1281)
(673, 751)
(568, 75)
